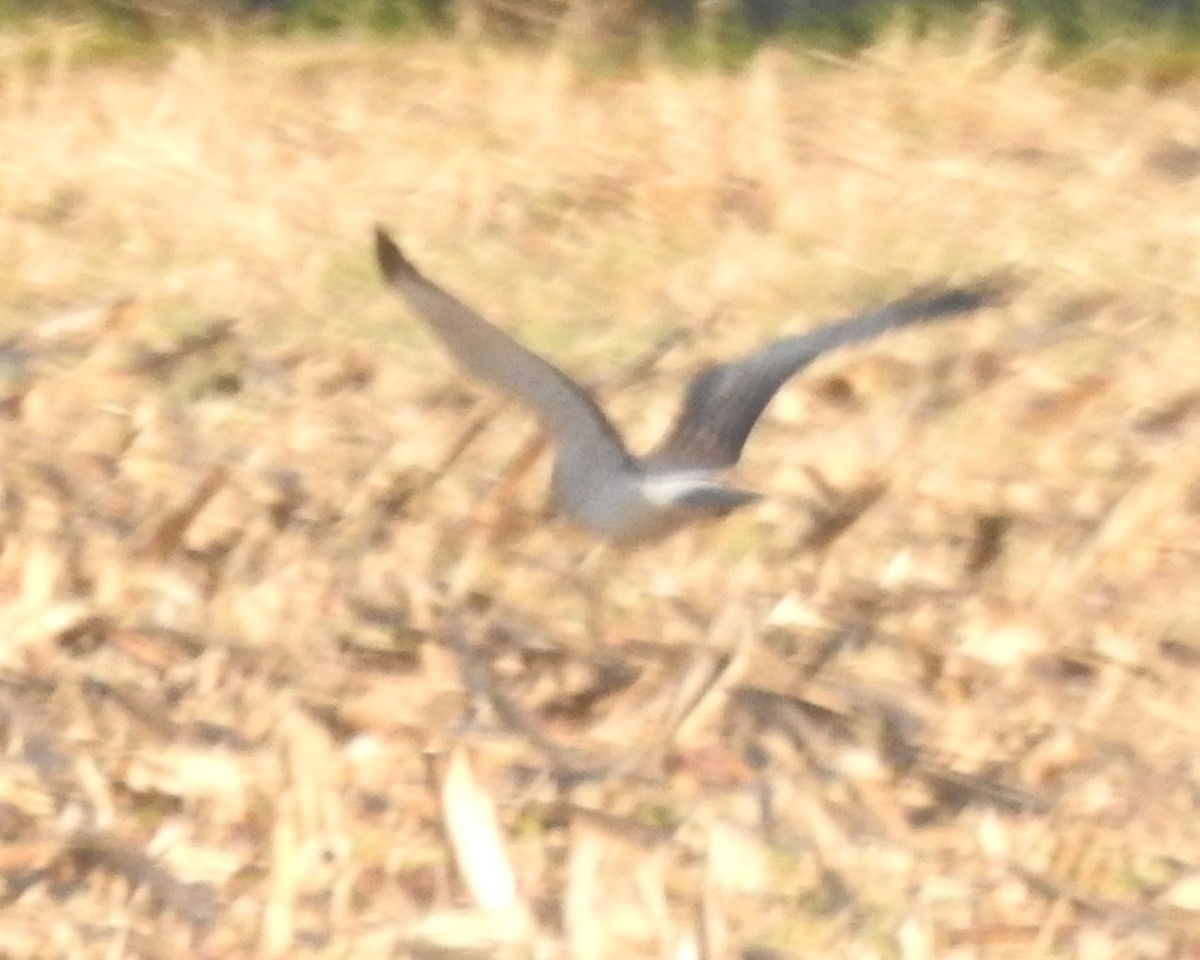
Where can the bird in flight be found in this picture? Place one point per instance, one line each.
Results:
(596, 482)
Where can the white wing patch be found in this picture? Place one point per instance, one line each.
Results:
(673, 488)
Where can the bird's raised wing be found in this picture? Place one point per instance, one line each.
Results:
(570, 414)
(725, 400)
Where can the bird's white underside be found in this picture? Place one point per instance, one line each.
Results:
(669, 489)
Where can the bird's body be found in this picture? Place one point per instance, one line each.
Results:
(596, 482)
(631, 506)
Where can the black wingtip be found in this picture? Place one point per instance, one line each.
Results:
(937, 300)
(392, 263)
(991, 290)
(996, 289)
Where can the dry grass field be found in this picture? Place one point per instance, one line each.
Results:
(291, 667)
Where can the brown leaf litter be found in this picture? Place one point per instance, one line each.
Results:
(232, 649)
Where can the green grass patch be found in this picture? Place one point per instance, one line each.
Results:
(1106, 41)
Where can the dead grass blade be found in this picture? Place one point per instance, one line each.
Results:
(161, 537)
(469, 817)
(616, 884)
(162, 363)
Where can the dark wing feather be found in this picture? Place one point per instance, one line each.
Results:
(484, 350)
(725, 400)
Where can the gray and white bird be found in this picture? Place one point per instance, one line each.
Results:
(597, 483)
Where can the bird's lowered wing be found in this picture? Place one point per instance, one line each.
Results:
(487, 352)
(725, 400)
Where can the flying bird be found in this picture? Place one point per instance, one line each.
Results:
(596, 482)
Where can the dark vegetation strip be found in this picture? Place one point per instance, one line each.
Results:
(1154, 40)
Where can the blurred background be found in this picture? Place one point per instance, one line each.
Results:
(270, 562)
(844, 23)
